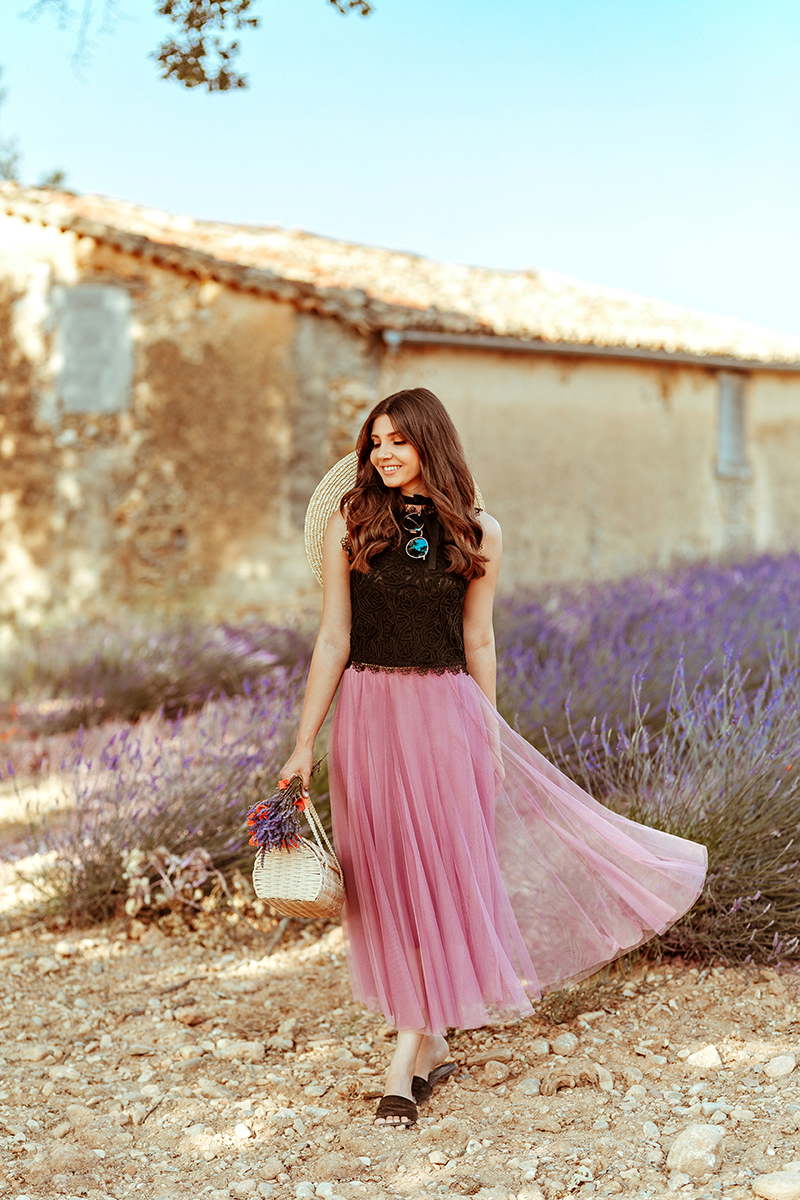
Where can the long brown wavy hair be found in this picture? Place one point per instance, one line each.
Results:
(374, 512)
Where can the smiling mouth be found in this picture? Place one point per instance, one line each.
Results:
(390, 469)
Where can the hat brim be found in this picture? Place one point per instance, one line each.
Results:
(326, 500)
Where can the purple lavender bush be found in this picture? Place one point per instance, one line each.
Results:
(724, 770)
(567, 657)
(83, 676)
(167, 792)
(675, 700)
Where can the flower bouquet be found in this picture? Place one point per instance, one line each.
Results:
(297, 877)
(273, 822)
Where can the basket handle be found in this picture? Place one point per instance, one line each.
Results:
(318, 830)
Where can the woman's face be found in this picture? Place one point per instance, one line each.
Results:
(395, 459)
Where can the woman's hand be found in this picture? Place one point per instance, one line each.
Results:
(299, 763)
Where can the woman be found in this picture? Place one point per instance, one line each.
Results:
(477, 874)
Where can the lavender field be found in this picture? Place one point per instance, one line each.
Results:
(676, 700)
(673, 698)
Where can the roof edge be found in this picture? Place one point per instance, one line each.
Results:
(396, 323)
(350, 305)
(394, 339)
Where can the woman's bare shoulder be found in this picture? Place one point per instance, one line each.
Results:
(492, 533)
(336, 524)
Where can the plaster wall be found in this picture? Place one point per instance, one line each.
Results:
(773, 427)
(597, 469)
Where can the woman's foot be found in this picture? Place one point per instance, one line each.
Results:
(430, 1067)
(398, 1080)
(432, 1052)
(397, 1112)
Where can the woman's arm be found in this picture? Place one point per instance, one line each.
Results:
(331, 650)
(478, 604)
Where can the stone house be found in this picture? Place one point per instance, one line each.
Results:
(171, 391)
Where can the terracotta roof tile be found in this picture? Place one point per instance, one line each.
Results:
(385, 289)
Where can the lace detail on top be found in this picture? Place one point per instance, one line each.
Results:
(407, 616)
(376, 669)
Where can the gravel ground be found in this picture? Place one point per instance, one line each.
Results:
(140, 1064)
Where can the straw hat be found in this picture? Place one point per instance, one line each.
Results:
(326, 499)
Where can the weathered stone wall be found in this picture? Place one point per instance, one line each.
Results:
(193, 491)
(160, 435)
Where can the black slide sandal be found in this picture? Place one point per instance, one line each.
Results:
(421, 1089)
(396, 1106)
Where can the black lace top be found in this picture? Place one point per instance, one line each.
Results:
(408, 614)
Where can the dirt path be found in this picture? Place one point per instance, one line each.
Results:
(139, 1064)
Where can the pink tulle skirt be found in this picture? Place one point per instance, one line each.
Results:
(477, 874)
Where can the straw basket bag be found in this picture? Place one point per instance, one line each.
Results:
(306, 881)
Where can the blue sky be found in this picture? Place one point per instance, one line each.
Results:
(642, 144)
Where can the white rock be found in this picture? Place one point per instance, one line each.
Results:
(62, 1073)
(325, 1189)
(34, 1053)
(304, 1191)
(278, 1042)
(531, 1191)
(46, 966)
(473, 1147)
(706, 1059)
(283, 1117)
(539, 1047)
(778, 1185)
(566, 1044)
(245, 1187)
(678, 1180)
(605, 1080)
(314, 1113)
(529, 1168)
(437, 1158)
(697, 1151)
(637, 1091)
(651, 1131)
(494, 1073)
(784, 1064)
(529, 1087)
(242, 1131)
(243, 1051)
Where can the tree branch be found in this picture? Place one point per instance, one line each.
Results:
(201, 50)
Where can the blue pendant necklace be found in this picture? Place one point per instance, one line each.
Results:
(414, 523)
